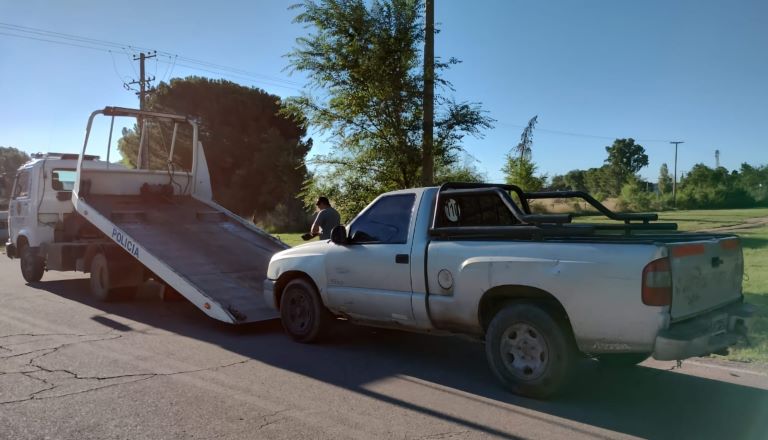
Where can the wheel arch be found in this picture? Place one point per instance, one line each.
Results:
(496, 298)
(286, 278)
(21, 242)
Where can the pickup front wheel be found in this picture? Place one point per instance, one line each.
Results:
(528, 349)
(302, 312)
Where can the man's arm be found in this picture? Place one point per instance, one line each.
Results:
(316, 225)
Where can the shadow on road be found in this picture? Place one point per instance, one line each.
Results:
(638, 401)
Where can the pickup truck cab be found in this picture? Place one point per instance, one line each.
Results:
(541, 291)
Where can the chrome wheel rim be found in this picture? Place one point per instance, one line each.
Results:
(524, 351)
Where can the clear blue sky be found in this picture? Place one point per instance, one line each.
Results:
(657, 71)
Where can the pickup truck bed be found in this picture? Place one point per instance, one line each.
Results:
(223, 259)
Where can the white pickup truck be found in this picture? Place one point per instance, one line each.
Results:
(472, 259)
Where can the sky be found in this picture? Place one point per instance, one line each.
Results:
(593, 71)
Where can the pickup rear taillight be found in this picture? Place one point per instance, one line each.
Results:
(657, 283)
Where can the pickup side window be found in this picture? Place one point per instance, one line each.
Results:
(21, 187)
(386, 221)
(474, 210)
(63, 179)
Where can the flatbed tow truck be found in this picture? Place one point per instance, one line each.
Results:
(124, 226)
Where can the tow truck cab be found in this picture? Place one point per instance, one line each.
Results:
(43, 229)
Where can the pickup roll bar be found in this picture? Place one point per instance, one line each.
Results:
(537, 225)
(521, 216)
(626, 217)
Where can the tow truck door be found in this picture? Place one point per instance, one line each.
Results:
(19, 205)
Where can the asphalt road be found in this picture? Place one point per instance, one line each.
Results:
(72, 368)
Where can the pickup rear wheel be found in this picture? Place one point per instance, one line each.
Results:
(528, 349)
(302, 312)
(32, 265)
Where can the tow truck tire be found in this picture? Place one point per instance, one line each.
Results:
(622, 360)
(101, 288)
(529, 349)
(302, 312)
(32, 265)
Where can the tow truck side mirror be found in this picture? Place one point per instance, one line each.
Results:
(339, 235)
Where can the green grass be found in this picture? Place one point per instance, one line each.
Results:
(290, 238)
(696, 219)
(755, 242)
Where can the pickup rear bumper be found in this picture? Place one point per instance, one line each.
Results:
(703, 335)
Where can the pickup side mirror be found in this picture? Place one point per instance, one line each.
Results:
(339, 235)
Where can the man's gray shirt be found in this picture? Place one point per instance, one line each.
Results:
(327, 219)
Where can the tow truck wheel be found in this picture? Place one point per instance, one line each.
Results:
(302, 312)
(621, 360)
(528, 349)
(100, 280)
(32, 265)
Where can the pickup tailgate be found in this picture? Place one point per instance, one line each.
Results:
(705, 275)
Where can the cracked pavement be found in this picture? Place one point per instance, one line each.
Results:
(74, 368)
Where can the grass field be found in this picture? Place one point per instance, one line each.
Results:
(697, 219)
(755, 242)
(290, 238)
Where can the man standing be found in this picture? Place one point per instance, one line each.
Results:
(327, 218)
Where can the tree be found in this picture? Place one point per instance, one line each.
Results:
(754, 180)
(10, 161)
(625, 159)
(634, 195)
(255, 155)
(665, 180)
(576, 180)
(558, 183)
(519, 167)
(599, 182)
(705, 187)
(363, 57)
(521, 171)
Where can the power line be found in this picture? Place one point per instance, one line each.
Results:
(201, 69)
(583, 135)
(114, 66)
(105, 46)
(55, 42)
(207, 66)
(52, 34)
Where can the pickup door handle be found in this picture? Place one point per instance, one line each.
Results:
(401, 258)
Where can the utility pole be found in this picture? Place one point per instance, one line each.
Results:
(674, 181)
(427, 160)
(142, 82)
